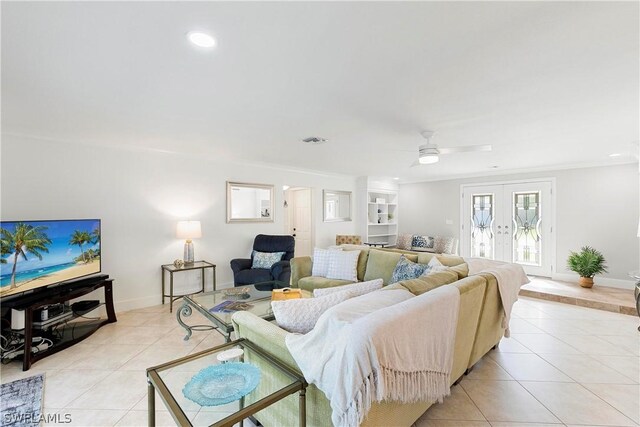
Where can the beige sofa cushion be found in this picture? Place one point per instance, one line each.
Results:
(426, 283)
(381, 264)
(315, 282)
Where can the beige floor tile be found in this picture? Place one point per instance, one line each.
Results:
(585, 369)
(126, 334)
(447, 423)
(628, 344)
(88, 417)
(140, 418)
(110, 356)
(626, 326)
(509, 424)
(589, 344)
(574, 404)
(555, 326)
(68, 357)
(134, 318)
(62, 387)
(457, 406)
(544, 343)
(625, 398)
(523, 326)
(529, 367)
(510, 345)
(487, 369)
(119, 390)
(153, 356)
(628, 366)
(506, 401)
(528, 312)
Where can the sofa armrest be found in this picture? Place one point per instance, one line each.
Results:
(268, 336)
(300, 267)
(280, 271)
(240, 264)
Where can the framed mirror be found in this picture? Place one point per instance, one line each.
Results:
(336, 205)
(249, 202)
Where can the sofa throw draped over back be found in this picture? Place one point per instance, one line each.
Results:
(385, 345)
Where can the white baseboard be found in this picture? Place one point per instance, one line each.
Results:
(598, 281)
(150, 301)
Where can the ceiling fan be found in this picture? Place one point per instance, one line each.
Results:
(429, 153)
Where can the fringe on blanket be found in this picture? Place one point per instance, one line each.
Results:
(406, 387)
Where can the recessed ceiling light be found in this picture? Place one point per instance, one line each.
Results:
(201, 39)
(396, 177)
(615, 155)
(494, 167)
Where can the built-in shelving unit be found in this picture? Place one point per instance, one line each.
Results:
(381, 206)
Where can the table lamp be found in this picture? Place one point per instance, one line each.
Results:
(188, 230)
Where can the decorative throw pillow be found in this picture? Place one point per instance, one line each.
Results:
(406, 269)
(443, 245)
(266, 259)
(435, 266)
(321, 261)
(343, 265)
(300, 315)
(404, 241)
(356, 289)
(422, 242)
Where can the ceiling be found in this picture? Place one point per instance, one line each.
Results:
(547, 84)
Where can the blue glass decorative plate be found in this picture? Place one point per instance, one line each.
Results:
(220, 384)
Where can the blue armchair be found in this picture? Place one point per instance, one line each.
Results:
(243, 274)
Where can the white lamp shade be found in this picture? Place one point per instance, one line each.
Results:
(189, 230)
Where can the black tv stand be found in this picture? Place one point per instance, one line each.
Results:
(73, 331)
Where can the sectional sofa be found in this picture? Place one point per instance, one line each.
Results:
(478, 330)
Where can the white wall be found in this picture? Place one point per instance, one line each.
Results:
(596, 206)
(140, 196)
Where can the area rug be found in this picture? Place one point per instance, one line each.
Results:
(21, 402)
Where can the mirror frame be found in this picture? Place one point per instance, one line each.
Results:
(269, 187)
(324, 201)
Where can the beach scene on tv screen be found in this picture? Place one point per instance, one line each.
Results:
(41, 253)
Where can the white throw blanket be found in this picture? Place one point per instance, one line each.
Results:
(385, 345)
(510, 278)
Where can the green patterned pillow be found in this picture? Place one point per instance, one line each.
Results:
(406, 270)
(266, 259)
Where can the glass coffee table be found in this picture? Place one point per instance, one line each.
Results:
(258, 302)
(174, 381)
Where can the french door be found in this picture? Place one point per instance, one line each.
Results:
(510, 222)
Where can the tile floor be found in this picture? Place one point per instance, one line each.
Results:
(563, 365)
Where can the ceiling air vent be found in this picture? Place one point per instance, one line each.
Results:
(315, 140)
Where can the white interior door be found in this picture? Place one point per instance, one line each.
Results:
(301, 221)
(510, 222)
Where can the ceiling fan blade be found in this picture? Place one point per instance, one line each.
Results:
(464, 149)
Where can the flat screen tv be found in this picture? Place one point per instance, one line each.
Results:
(36, 254)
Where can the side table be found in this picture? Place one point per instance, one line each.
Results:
(171, 269)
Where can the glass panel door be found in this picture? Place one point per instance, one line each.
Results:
(482, 216)
(509, 222)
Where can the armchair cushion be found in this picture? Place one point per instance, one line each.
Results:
(252, 275)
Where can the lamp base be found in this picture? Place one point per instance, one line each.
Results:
(188, 252)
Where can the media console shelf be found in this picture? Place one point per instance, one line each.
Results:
(74, 330)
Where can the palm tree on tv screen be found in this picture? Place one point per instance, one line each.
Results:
(24, 239)
(80, 238)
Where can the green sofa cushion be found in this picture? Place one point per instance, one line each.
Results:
(381, 264)
(314, 282)
(426, 283)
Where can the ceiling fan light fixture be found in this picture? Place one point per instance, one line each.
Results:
(428, 159)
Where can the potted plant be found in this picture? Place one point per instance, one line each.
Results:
(587, 263)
